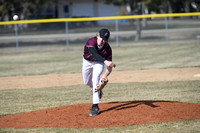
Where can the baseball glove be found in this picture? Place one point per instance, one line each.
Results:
(101, 84)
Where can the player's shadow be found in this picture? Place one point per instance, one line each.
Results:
(131, 104)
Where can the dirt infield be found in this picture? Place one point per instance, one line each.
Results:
(113, 114)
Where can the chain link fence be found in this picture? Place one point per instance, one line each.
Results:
(69, 35)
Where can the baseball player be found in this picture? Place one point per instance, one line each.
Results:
(97, 54)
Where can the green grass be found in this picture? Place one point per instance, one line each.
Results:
(130, 56)
(19, 101)
(41, 63)
(127, 57)
(160, 56)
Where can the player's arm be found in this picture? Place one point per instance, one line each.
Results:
(98, 57)
(95, 54)
(107, 72)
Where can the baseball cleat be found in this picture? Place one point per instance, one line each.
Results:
(95, 110)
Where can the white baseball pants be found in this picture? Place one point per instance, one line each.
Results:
(91, 72)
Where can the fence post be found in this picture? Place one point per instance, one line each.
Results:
(116, 32)
(166, 30)
(67, 34)
(16, 36)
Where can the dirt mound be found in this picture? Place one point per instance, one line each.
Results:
(113, 114)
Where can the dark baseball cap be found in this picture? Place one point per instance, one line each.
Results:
(104, 34)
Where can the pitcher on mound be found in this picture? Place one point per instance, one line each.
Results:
(97, 54)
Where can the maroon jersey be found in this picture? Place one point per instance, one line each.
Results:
(105, 51)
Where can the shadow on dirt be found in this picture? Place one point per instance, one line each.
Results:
(132, 104)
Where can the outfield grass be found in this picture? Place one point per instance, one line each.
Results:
(128, 57)
(19, 101)
(25, 100)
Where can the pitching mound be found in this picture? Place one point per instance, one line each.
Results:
(113, 114)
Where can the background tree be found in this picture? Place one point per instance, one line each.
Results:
(172, 6)
(135, 8)
(23, 8)
(156, 6)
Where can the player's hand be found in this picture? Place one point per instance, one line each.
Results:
(109, 64)
(104, 80)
